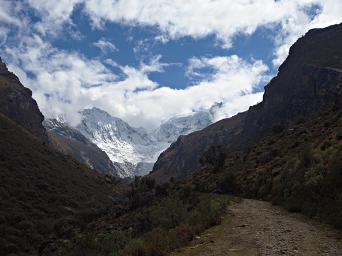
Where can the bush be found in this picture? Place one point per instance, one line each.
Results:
(136, 247)
(227, 185)
(278, 128)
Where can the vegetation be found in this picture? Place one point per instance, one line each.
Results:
(44, 195)
(299, 167)
(159, 220)
(52, 205)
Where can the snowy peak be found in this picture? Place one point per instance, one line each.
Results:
(126, 146)
(133, 151)
(173, 128)
(70, 141)
(99, 125)
(63, 129)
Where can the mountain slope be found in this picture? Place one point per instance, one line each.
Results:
(299, 168)
(71, 142)
(308, 81)
(44, 194)
(17, 104)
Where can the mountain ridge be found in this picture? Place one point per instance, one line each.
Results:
(132, 151)
(16, 102)
(308, 81)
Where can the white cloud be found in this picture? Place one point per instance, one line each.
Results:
(53, 13)
(3, 35)
(297, 25)
(65, 82)
(105, 46)
(234, 106)
(179, 18)
(225, 19)
(7, 10)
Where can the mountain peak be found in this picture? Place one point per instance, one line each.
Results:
(16, 103)
(3, 67)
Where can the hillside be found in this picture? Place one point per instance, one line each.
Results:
(309, 81)
(298, 167)
(44, 195)
(16, 103)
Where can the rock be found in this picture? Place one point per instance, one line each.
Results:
(17, 104)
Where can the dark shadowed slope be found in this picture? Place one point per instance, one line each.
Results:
(17, 104)
(43, 194)
(309, 81)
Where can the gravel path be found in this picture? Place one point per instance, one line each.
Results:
(258, 228)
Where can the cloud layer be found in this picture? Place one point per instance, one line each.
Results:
(69, 82)
(66, 81)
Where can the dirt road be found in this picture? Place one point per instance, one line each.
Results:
(258, 228)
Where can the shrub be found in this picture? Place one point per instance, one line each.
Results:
(227, 185)
(278, 128)
(136, 247)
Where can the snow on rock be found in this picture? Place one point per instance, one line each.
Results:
(133, 151)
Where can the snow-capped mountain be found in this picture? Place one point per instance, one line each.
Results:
(125, 145)
(133, 151)
(70, 141)
(173, 128)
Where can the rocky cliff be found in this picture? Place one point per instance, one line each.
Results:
(17, 104)
(309, 81)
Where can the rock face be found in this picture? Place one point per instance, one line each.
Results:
(71, 142)
(17, 104)
(309, 81)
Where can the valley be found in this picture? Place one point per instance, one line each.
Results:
(132, 151)
(266, 181)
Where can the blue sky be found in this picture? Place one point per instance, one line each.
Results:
(149, 60)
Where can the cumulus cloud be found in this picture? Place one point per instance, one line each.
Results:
(53, 13)
(222, 18)
(66, 81)
(327, 12)
(105, 46)
(70, 82)
(178, 18)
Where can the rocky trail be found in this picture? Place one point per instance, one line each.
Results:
(254, 227)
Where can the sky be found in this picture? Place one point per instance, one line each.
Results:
(146, 61)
